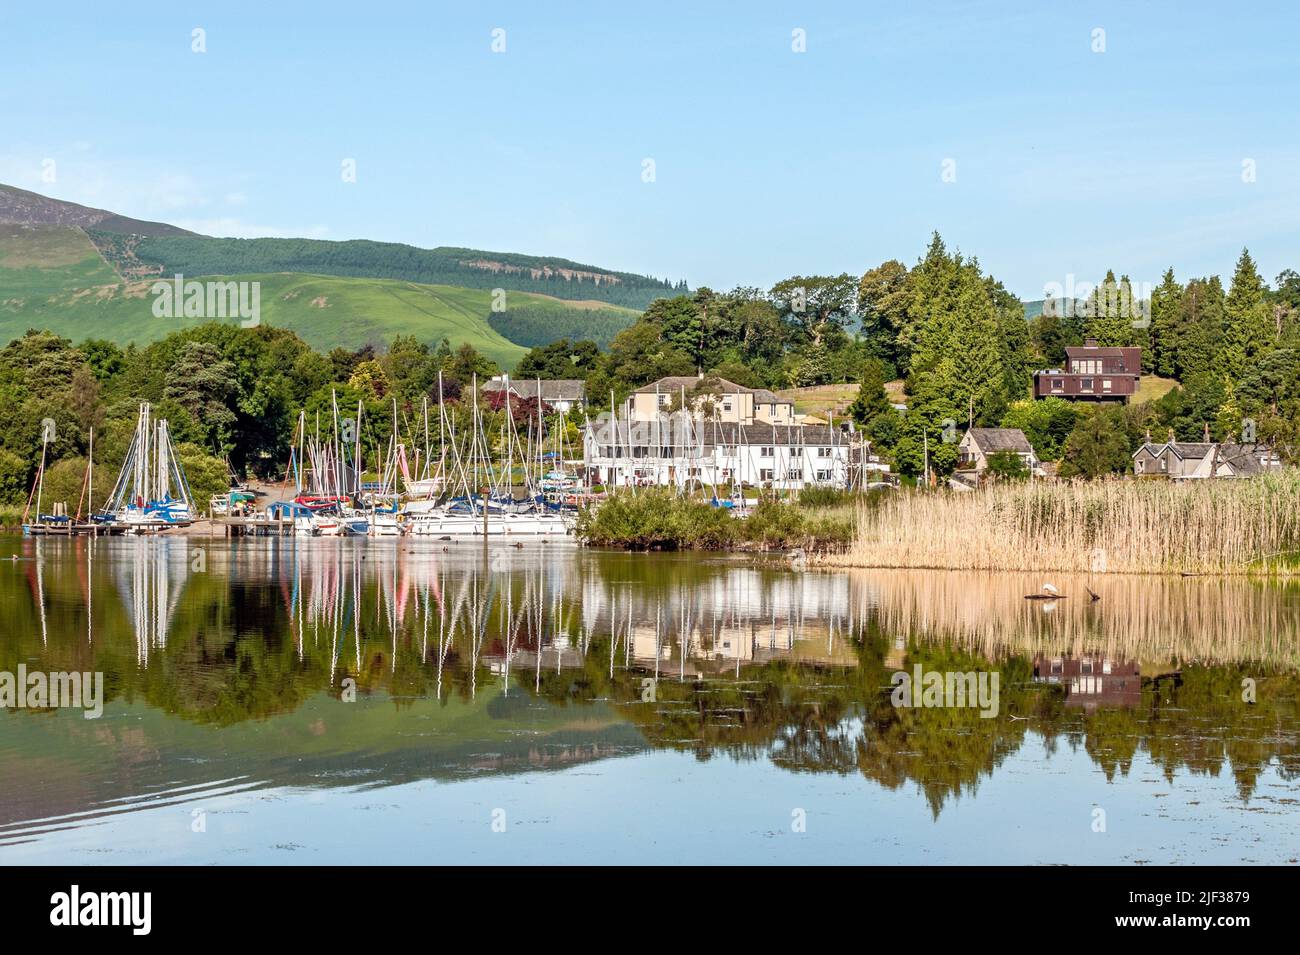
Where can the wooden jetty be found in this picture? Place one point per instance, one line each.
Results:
(255, 526)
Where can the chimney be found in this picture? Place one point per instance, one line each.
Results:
(1090, 342)
(1148, 435)
(1207, 432)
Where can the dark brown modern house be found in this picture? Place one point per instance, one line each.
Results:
(1092, 373)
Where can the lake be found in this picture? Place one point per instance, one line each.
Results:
(394, 701)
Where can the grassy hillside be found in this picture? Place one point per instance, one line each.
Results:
(1153, 388)
(53, 276)
(44, 259)
(87, 272)
(195, 256)
(327, 311)
(822, 400)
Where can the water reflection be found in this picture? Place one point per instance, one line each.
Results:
(230, 665)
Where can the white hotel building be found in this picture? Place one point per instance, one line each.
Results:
(729, 437)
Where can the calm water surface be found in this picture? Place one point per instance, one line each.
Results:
(306, 701)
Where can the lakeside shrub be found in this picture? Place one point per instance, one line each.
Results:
(661, 519)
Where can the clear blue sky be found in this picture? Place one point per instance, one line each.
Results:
(768, 162)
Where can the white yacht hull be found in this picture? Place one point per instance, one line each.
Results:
(497, 525)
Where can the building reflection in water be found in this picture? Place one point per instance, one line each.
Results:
(1091, 680)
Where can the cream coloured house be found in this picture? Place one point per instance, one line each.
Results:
(708, 398)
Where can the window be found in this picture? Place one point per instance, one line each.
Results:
(1141, 466)
(726, 404)
(663, 401)
(823, 475)
(765, 452)
(1105, 384)
(765, 474)
(1058, 384)
(1085, 384)
(823, 452)
(793, 474)
(1164, 465)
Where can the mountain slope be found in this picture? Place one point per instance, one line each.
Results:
(195, 256)
(326, 311)
(43, 259)
(20, 207)
(63, 267)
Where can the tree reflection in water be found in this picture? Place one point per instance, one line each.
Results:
(713, 656)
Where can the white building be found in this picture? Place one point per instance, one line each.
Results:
(681, 450)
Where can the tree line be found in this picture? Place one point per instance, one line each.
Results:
(942, 337)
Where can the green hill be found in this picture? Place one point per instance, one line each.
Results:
(42, 259)
(195, 256)
(84, 272)
(52, 276)
(325, 310)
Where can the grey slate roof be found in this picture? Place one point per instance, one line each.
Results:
(675, 383)
(1187, 450)
(1245, 458)
(553, 389)
(993, 440)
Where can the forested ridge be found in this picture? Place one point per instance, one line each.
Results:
(469, 268)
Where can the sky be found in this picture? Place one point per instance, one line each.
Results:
(726, 143)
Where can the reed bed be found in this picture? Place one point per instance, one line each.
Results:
(1113, 526)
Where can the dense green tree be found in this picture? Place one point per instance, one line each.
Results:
(1007, 466)
(872, 400)
(1166, 300)
(1248, 332)
(969, 344)
(205, 385)
(1046, 423)
(559, 359)
(1098, 445)
(817, 308)
(883, 302)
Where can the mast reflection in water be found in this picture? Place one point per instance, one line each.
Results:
(687, 703)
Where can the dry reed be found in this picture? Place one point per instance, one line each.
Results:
(1111, 526)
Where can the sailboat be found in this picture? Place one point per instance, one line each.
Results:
(327, 480)
(58, 521)
(152, 492)
(493, 510)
